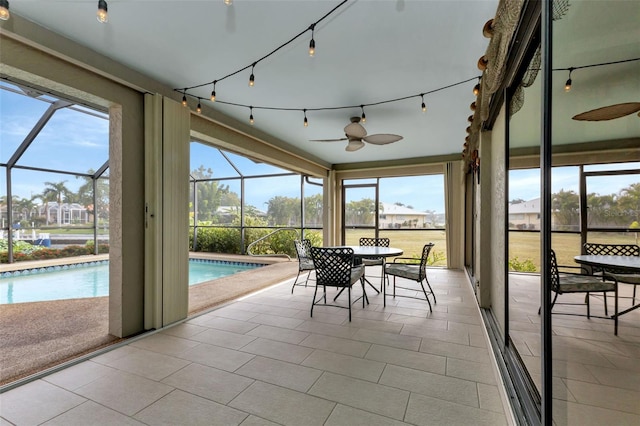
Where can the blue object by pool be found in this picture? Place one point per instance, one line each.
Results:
(92, 280)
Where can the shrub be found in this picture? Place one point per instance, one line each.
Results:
(521, 266)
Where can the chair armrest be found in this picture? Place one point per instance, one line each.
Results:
(585, 270)
(415, 259)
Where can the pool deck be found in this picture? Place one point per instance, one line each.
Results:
(32, 264)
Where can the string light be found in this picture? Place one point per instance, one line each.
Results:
(476, 88)
(253, 64)
(424, 106)
(213, 92)
(251, 115)
(102, 14)
(306, 122)
(567, 85)
(4, 10)
(251, 77)
(312, 43)
(199, 107)
(363, 117)
(228, 2)
(184, 100)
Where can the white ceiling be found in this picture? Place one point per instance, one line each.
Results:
(366, 52)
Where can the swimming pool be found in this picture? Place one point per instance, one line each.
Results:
(92, 280)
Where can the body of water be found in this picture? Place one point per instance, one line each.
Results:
(92, 280)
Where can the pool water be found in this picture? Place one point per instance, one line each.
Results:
(92, 280)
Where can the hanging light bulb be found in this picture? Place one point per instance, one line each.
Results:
(476, 88)
(567, 85)
(312, 43)
(306, 122)
(213, 92)
(363, 117)
(184, 100)
(4, 10)
(228, 2)
(102, 15)
(252, 77)
(424, 106)
(251, 115)
(199, 107)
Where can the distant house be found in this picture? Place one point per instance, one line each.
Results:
(392, 216)
(525, 215)
(71, 213)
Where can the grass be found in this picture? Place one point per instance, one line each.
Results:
(523, 245)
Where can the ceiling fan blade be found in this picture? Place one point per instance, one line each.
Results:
(354, 145)
(355, 130)
(382, 138)
(609, 112)
(328, 140)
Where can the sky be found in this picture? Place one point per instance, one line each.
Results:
(75, 141)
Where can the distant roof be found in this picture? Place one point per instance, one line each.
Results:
(388, 208)
(531, 206)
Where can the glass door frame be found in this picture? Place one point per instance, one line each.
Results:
(376, 187)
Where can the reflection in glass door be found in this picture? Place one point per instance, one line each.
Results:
(359, 211)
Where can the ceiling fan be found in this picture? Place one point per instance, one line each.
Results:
(356, 134)
(609, 112)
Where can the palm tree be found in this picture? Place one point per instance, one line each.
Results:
(55, 191)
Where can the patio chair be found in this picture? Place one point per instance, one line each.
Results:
(416, 272)
(617, 250)
(334, 268)
(567, 283)
(305, 264)
(375, 261)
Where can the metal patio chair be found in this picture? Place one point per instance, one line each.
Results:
(416, 272)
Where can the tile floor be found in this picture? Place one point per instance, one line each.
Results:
(262, 360)
(596, 374)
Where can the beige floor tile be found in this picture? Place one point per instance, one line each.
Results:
(419, 321)
(165, 344)
(257, 421)
(217, 357)
(571, 413)
(283, 406)
(469, 370)
(282, 311)
(278, 350)
(388, 339)
(617, 378)
(124, 392)
(181, 408)
(276, 321)
(435, 385)
(424, 410)
(73, 377)
(285, 374)
(184, 330)
(364, 395)
(605, 396)
(454, 350)
(231, 313)
(346, 365)
(208, 382)
(90, 413)
(411, 359)
(343, 415)
(451, 336)
(378, 325)
(227, 324)
(279, 334)
(225, 339)
(478, 340)
(321, 317)
(336, 344)
(115, 354)
(152, 365)
(36, 402)
(326, 329)
(489, 396)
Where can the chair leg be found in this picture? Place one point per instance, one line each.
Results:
(605, 304)
(384, 295)
(588, 306)
(633, 299)
(364, 293)
(615, 310)
(349, 292)
(426, 297)
(394, 286)
(295, 281)
(313, 301)
(431, 290)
